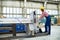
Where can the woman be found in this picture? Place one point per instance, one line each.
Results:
(48, 20)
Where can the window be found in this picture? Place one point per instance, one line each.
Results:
(8, 10)
(12, 12)
(28, 16)
(11, 9)
(28, 11)
(4, 10)
(38, 11)
(52, 12)
(49, 12)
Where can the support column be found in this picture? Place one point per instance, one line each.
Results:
(24, 9)
(58, 20)
(45, 4)
(14, 30)
(1, 8)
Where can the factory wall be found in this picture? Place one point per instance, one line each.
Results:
(31, 6)
(0, 7)
(59, 8)
(15, 6)
(58, 22)
(21, 4)
(0, 2)
(14, 9)
(0, 10)
(12, 3)
(52, 9)
(34, 5)
(51, 6)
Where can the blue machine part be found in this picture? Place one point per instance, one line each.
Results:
(43, 20)
(2, 25)
(55, 20)
(20, 28)
(4, 30)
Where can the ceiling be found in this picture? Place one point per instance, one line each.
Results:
(31, 0)
(49, 1)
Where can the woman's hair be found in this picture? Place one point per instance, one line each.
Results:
(34, 12)
(42, 9)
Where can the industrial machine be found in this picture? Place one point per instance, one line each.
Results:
(17, 21)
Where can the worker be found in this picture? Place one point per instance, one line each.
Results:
(32, 26)
(48, 20)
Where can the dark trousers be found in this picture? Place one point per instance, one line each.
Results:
(48, 25)
(48, 29)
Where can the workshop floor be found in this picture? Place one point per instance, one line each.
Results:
(55, 35)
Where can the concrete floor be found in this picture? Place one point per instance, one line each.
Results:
(55, 35)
